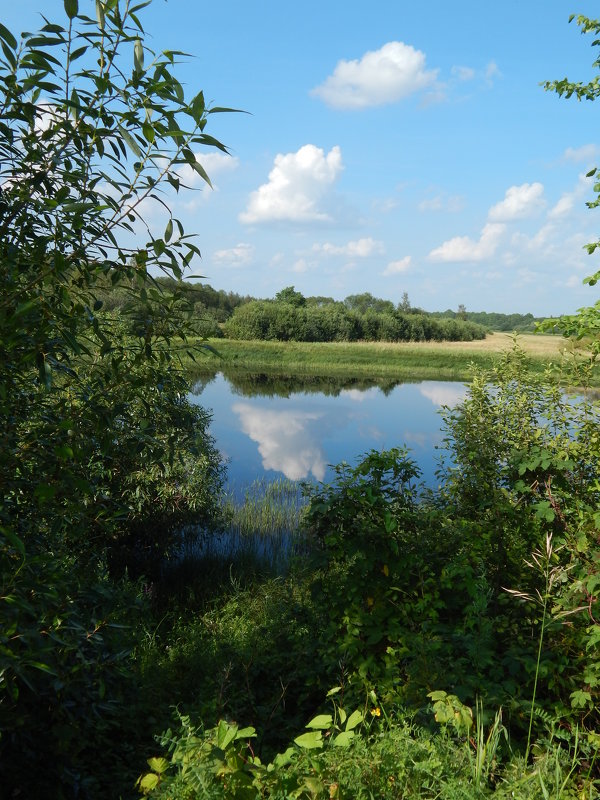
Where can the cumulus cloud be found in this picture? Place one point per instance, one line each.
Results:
(380, 77)
(519, 202)
(361, 248)
(462, 248)
(297, 189)
(237, 256)
(397, 267)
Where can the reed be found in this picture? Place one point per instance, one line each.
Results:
(261, 538)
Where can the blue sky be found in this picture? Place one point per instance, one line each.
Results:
(389, 147)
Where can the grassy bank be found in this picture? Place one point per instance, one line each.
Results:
(401, 361)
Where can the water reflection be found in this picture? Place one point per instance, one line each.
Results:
(288, 441)
(275, 426)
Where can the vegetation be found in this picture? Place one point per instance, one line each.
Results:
(402, 643)
(103, 460)
(359, 318)
(263, 362)
(494, 321)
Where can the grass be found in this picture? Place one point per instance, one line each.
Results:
(398, 360)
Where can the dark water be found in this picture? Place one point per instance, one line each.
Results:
(282, 427)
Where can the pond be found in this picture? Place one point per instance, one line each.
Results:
(277, 427)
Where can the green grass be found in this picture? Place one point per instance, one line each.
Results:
(400, 361)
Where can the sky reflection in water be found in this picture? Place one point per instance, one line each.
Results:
(299, 435)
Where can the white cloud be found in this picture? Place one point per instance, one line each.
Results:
(397, 267)
(519, 202)
(361, 248)
(568, 200)
(237, 256)
(463, 73)
(564, 205)
(462, 248)
(381, 76)
(297, 189)
(587, 152)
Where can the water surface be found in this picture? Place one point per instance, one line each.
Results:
(271, 428)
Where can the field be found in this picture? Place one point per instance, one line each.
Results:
(402, 360)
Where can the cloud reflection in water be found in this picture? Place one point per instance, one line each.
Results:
(288, 441)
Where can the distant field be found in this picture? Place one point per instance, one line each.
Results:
(403, 360)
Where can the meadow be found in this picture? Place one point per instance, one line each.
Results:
(393, 360)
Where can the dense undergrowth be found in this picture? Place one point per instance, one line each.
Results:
(156, 637)
(455, 629)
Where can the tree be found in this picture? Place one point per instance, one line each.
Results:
(291, 296)
(404, 305)
(586, 323)
(100, 449)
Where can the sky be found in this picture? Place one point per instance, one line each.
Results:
(388, 147)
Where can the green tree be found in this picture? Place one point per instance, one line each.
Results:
(586, 323)
(103, 459)
(291, 296)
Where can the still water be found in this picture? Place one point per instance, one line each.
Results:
(282, 427)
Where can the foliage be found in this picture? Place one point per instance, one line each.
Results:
(395, 759)
(282, 320)
(103, 458)
(586, 323)
(495, 321)
(417, 591)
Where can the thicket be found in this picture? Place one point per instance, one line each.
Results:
(424, 644)
(495, 321)
(103, 459)
(336, 322)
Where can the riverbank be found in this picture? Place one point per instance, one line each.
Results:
(397, 360)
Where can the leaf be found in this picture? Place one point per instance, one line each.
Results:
(354, 719)
(168, 230)
(343, 739)
(100, 14)
(133, 145)
(159, 765)
(197, 166)
(321, 722)
(7, 37)
(226, 734)
(148, 132)
(148, 782)
(138, 56)
(310, 741)
(71, 8)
